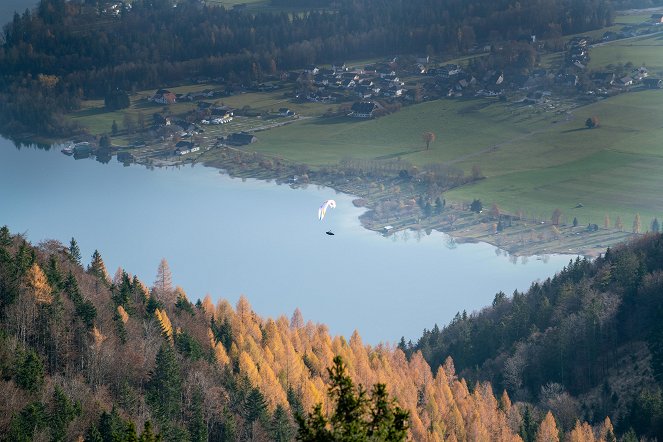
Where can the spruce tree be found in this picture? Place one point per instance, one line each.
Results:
(30, 371)
(165, 386)
(281, 428)
(197, 424)
(98, 268)
(63, 411)
(74, 252)
(5, 237)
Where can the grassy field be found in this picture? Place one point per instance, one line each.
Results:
(647, 51)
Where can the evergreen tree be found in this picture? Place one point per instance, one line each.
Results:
(53, 275)
(281, 428)
(528, 428)
(98, 268)
(476, 206)
(148, 435)
(111, 426)
(655, 226)
(130, 434)
(63, 411)
(254, 409)
(5, 237)
(74, 252)
(197, 424)
(30, 371)
(23, 426)
(93, 434)
(355, 417)
(164, 388)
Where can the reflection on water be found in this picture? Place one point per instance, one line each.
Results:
(228, 237)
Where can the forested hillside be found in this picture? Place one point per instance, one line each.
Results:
(589, 340)
(88, 357)
(67, 50)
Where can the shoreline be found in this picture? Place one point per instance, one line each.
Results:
(391, 209)
(391, 205)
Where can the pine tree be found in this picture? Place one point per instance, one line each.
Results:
(5, 237)
(655, 226)
(93, 434)
(74, 252)
(165, 385)
(130, 434)
(528, 426)
(53, 275)
(29, 371)
(148, 435)
(355, 417)
(63, 411)
(98, 268)
(111, 426)
(197, 424)
(281, 428)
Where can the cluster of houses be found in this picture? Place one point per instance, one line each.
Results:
(329, 85)
(578, 56)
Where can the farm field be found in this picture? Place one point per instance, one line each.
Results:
(644, 51)
(613, 170)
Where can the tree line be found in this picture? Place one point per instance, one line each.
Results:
(65, 51)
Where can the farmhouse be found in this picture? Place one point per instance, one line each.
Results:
(363, 109)
(163, 96)
(604, 78)
(241, 138)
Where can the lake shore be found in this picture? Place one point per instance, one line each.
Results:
(391, 210)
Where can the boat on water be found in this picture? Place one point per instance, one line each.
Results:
(68, 150)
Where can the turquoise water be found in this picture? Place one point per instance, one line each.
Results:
(228, 237)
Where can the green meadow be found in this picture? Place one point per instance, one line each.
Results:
(647, 51)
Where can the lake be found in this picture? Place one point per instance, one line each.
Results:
(228, 237)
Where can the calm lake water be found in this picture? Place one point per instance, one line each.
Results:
(228, 237)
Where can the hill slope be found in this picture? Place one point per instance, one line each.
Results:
(587, 340)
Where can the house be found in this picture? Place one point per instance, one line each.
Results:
(311, 69)
(363, 109)
(163, 96)
(604, 78)
(285, 112)
(423, 59)
(241, 138)
(653, 83)
(339, 66)
(184, 147)
(657, 18)
(626, 81)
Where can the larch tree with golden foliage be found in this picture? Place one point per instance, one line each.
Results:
(548, 431)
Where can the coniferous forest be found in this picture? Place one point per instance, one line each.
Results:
(64, 51)
(86, 356)
(588, 341)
